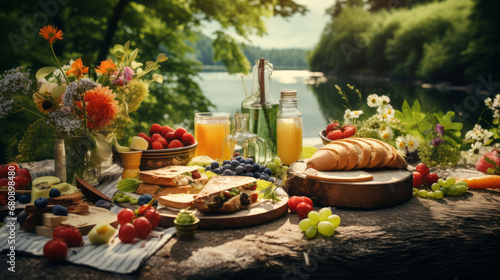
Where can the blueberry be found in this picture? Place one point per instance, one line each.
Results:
(214, 165)
(271, 180)
(59, 210)
(256, 175)
(256, 167)
(227, 172)
(25, 198)
(145, 199)
(226, 167)
(226, 162)
(248, 174)
(243, 161)
(41, 202)
(234, 163)
(264, 177)
(248, 168)
(250, 161)
(238, 158)
(104, 204)
(239, 170)
(216, 171)
(54, 192)
(268, 171)
(261, 168)
(207, 168)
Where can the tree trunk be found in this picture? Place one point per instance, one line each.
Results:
(110, 32)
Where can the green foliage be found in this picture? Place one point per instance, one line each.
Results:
(413, 120)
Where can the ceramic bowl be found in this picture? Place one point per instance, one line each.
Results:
(154, 159)
(322, 135)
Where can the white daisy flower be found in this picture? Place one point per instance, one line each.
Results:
(384, 100)
(496, 113)
(347, 114)
(355, 114)
(477, 149)
(373, 100)
(386, 113)
(386, 134)
(489, 103)
(412, 143)
(496, 101)
(400, 143)
(477, 133)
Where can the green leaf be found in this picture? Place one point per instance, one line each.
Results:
(126, 46)
(133, 55)
(149, 64)
(416, 108)
(406, 108)
(128, 185)
(269, 192)
(44, 71)
(57, 92)
(162, 57)
(158, 78)
(135, 65)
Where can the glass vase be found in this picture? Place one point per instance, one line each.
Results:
(78, 160)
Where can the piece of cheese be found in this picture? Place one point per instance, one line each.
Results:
(50, 180)
(43, 188)
(51, 220)
(139, 143)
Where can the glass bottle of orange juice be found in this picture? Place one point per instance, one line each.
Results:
(289, 128)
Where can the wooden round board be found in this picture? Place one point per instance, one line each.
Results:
(388, 188)
(256, 214)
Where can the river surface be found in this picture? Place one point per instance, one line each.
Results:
(319, 103)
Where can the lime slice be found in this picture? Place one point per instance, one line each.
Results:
(200, 161)
(307, 151)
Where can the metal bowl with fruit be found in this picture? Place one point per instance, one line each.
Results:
(153, 159)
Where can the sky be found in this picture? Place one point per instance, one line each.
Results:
(299, 31)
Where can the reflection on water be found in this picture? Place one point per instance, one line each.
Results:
(317, 104)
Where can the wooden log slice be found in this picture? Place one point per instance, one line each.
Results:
(388, 188)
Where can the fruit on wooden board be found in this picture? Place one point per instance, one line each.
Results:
(55, 249)
(101, 233)
(70, 234)
(139, 143)
(42, 186)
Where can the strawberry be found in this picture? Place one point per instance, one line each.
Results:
(165, 130)
(332, 126)
(175, 144)
(188, 139)
(169, 136)
(155, 136)
(179, 132)
(155, 128)
(157, 145)
(163, 142)
(150, 142)
(348, 130)
(142, 135)
(334, 135)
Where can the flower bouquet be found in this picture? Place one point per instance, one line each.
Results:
(87, 108)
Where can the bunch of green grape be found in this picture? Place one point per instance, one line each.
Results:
(323, 222)
(276, 166)
(121, 197)
(443, 188)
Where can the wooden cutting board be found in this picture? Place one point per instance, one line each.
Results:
(84, 222)
(389, 187)
(257, 213)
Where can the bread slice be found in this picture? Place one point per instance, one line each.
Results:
(378, 153)
(180, 201)
(399, 162)
(157, 190)
(352, 154)
(168, 176)
(340, 152)
(326, 159)
(363, 151)
(391, 153)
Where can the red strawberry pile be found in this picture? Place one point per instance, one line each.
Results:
(335, 131)
(165, 137)
(11, 174)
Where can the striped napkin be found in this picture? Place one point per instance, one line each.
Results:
(114, 256)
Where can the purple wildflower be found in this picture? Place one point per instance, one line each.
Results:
(437, 141)
(439, 129)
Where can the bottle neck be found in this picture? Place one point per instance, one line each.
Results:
(288, 108)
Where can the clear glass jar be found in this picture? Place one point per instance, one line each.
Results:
(247, 144)
(289, 128)
(262, 109)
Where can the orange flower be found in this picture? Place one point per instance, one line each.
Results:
(107, 66)
(51, 33)
(101, 107)
(77, 69)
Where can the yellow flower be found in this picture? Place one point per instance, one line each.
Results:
(43, 103)
(77, 69)
(137, 91)
(51, 33)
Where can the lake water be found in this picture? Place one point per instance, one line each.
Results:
(318, 103)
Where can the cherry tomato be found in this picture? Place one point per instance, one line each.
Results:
(431, 178)
(142, 227)
(126, 233)
(422, 169)
(295, 200)
(153, 217)
(303, 209)
(55, 249)
(418, 180)
(125, 216)
(70, 234)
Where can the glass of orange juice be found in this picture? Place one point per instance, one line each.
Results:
(289, 134)
(210, 130)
